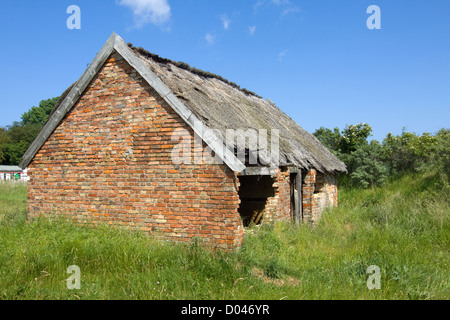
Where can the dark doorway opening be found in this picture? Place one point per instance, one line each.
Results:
(296, 179)
(254, 192)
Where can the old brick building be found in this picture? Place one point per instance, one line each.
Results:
(116, 148)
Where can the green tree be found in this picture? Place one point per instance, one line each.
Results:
(23, 132)
(347, 141)
(4, 140)
(366, 165)
(399, 154)
(17, 138)
(408, 152)
(14, 153)
(354, 136)
(369, 164)
(39, 115)
(364, 161)
(440, 154)
(332, 139)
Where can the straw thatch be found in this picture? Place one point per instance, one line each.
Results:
(223, 105)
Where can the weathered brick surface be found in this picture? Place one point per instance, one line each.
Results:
(319, 192)
(110, 162)
(278, 208)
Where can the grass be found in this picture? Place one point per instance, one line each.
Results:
(13, 200)
(404, 228)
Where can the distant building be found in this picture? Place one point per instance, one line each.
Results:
(13, 173)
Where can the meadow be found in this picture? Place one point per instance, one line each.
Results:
(402, 227)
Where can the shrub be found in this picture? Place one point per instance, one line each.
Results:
(366, 166)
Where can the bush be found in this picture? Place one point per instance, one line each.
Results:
(440, 156)
(366, 167)
(369, 164)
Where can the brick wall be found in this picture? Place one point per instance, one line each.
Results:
(279, 207)
(110, 162)
(319, 192)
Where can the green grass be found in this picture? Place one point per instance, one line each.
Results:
(13, 200)
(404, 228)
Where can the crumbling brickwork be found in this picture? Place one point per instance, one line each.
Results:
(278, 207)
(319, 192)
(110, 162)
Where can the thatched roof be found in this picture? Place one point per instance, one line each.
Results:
(205, 101)
(223, 105)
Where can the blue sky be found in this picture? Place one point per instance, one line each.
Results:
(316, 59)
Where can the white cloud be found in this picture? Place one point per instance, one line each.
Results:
(280, 2)
(226, 21)
(210, 39)
(252, 30)
(156, 12)
(286, 5)
(291, 9)
(281, 55)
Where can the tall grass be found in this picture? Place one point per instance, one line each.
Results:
(403, 228)
(13, 200)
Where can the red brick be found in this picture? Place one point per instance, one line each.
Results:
(91, 176)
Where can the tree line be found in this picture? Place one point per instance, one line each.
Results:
(17, 138)
(371, 163)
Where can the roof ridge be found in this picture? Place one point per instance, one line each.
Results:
(182, 65)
